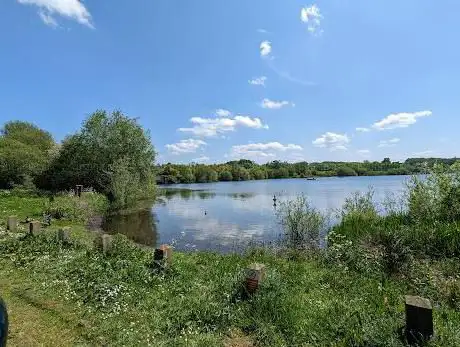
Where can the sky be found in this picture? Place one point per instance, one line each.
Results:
(216, 80)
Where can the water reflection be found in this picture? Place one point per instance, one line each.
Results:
(224, 216)
(139, 226)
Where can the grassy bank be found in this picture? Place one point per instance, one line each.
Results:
(348, 294)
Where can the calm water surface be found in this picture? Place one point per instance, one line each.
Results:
(226, 215)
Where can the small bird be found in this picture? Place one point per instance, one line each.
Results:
(205, 212)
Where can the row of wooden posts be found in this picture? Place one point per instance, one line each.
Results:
(419, 311)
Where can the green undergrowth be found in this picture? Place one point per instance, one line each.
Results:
(119, 299)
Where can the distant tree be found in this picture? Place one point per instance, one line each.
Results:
(226, 176)
(386, 161)
(346, 171)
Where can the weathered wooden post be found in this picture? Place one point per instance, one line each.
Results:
(419, 319)
(63, 235)
(255, 274)
(106, 243)
(162, 257)
(78, 190)
(34, 227)
(12, 223)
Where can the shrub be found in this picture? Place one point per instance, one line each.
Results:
(302, 223)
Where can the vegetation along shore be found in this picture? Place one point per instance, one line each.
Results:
(346, 291)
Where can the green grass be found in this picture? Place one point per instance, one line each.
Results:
(117, 299)
(350, 294)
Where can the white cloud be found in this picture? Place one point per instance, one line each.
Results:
(312, 17)
(72, 9)
(364, 152)
(261, 150)
(424, 153)
(209, 127)
(400, 120)
(258, 81)
(263, 31)
(47, 19)
(274, 105)
(332, 141)
(363, 130)
(389, 143)
(201, 159)
(185, 146)
(223, 113)
(265, 48)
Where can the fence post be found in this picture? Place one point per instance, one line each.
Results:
(162, 257)
(106, 243)
(63, 235)
(255, 274)
(34, 227)
(12, 223)
(419, 319)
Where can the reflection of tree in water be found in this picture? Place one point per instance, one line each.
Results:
(139, 226)
(206, 195)
(242, 196)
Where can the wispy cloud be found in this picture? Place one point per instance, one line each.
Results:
(364, 152)
(389, 143)
(275, 105)
(400, 120)
(201, 159)
(287, 75)
(185, 146)
(223, 113)
(263, 31)
(262, 150)
(363, 130)
(258, 81)
(72, 9)
(426, 153)
(210, 127)
(311, 15)
(332, 141)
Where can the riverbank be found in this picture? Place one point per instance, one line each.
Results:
(72, 294)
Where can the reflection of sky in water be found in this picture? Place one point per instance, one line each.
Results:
(238, 212)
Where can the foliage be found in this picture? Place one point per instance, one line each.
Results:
(346, 171)
(24, 153)
(243, 170)
(301, 222)
(109, 152)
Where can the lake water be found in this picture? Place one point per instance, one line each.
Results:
(227, 215)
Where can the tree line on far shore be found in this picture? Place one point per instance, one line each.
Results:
(244, 170)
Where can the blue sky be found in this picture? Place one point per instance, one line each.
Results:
(216, 80)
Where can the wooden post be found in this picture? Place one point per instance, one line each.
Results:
(255, 274)
(34, 227)
(106, 243)
(162, 257)
(78, 190)
(63, 235)
(12, 223)
(419, 319)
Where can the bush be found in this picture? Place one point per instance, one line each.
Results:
(302, 223)
(344, 171)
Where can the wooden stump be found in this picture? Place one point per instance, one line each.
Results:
(12, 224)
(419, 319)
(63, 235)
(255, 274)
(34, 228)
(106, 243)
(162, 257)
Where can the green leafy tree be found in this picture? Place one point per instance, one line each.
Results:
(25, 151)
(90, 158)
(346, 171)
